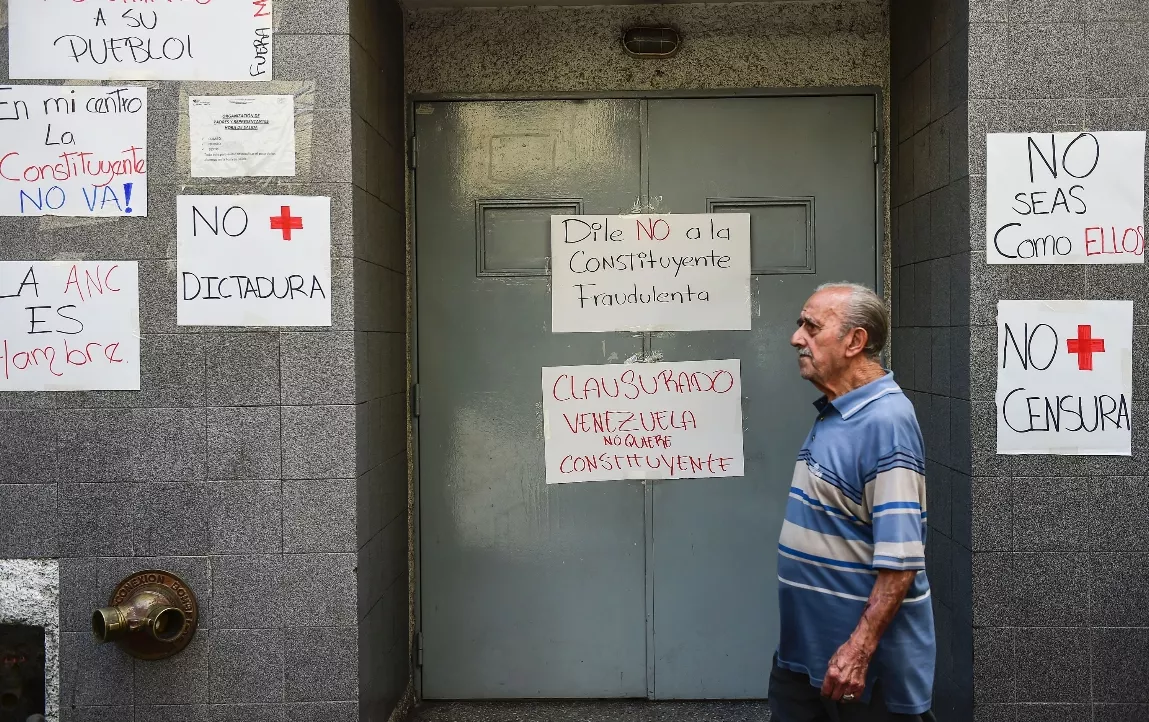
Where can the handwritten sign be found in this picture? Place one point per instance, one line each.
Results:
(253, 261)
(1065, 377)
(250, 136)
(170, 40)
(678, 272)
(643, 421)
(73, 151)
(1065, 197)
(69, 326)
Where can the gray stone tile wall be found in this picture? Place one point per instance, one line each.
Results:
(266, 467)
(1057, 549)
(930, 305)
(375, 356)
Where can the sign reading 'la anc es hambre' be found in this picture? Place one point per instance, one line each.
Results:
(69, 326)
(1065, 377)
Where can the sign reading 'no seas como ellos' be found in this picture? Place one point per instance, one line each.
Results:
(1065, 197)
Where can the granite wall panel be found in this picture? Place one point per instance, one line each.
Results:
(235, 464)
(931, 331)
(1048, 66)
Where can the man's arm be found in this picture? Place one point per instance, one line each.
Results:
(846, 674)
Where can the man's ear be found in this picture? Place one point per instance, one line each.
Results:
(856, 342)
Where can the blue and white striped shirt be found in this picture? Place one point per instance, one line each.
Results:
(858, 504)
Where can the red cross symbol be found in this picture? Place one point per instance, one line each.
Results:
(286, 222)
(1085, 346)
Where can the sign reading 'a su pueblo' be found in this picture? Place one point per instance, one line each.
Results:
(1065, 197)
(1065, 377)
(643, 421)
(674, 272)
(169, 40)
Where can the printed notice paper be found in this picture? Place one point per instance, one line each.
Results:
(1065, 197)
(253, 261)
(250, 136)
(650, 272)
(73, 151)
(170, 40)
(643, 421)
(1064, 377)
(68, 326)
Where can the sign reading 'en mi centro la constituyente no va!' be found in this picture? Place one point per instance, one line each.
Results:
(1065, 197)
(169, 40)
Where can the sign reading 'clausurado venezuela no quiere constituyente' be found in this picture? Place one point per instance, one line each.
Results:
(679, 420)
(674, 272)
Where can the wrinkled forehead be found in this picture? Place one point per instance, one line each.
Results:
(825, 306)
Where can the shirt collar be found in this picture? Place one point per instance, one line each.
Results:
(854, 401)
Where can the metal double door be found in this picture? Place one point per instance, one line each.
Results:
(664, 589)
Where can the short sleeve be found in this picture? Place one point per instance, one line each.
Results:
(899, 511)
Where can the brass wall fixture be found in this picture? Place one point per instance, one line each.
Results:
(152, 614)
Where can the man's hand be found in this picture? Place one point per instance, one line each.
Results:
(846, 674)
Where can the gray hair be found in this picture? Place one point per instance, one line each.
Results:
(866, 310)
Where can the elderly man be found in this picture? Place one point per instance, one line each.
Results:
(857, 637)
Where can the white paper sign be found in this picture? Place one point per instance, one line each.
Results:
(1065, 377)
(68, 326)
(1065, 197)
(643, 421)
(73, 151)
(675, 272)
(168, 40)
(253, 261)
(242, 136)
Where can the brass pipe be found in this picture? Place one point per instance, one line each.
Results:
(151, 615)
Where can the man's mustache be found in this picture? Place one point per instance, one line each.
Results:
(805, 352)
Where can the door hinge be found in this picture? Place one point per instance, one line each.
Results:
(416, 400)
(418, 649)
(874, 138)
(413, 153)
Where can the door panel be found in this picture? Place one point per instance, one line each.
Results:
(586, 590)
(803, 168)
(527, 590)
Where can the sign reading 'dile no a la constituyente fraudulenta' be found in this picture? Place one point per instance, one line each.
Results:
(69, 326)
(166, 40)
(674, 272)
(73, 151)
(1064, 377)
(1065, 197)
(253, 261)
(678, 420)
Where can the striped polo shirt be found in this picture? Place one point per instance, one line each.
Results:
(858, 504)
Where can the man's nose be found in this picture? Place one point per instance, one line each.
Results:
(796, 339)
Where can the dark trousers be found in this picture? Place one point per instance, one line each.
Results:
(793, 699)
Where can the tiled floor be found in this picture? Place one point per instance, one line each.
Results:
(592, 711)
